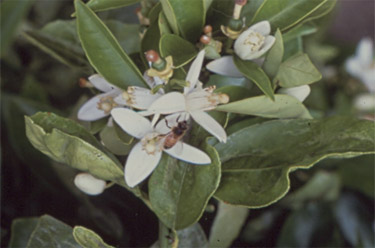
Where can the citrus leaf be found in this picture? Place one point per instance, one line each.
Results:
(88, 239)
(101, 5)
(170, 45)
(275, 55)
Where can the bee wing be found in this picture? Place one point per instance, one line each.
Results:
(178, 147)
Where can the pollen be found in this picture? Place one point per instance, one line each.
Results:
(106, 104)
(255, 40)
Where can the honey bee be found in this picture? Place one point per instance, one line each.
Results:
(175, 134)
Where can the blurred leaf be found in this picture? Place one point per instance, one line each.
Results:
(179, 191)
(33, 90)
(296, 71)
(186, 18)
(274, 56)
(65, 141)
(283, 106)
(310, 224)
(323, 186)
(227, 224)
(358, 173)
(355, 221)
(255, 174)
(170, 45)
(51, 232)
(12, 14)
(321, 53)
(113, 143)
(59, 39)
(101, 5)
(193, 236)
(299, 31)
(284, 14)
(154, 13)
(253, 72)
(22, 229)
(293, 47)
(88, 239)
(250, 9)
(103, 50)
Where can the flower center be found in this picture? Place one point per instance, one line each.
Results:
(205, 99)
(106, 104)
(151, 143)
(254, 40)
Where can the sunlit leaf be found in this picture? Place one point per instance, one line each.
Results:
(88, 239)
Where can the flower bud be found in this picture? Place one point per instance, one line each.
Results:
(89, 184)
(207, 29)
(205, 39)
(152, 56)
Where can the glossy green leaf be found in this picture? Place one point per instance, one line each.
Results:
(284, 14)
(101, 5)
(113, 143)
(65, 141)
(299, 31)
(103, 50)
(227, 224)
(274, 56)
(283, 106)
(170, 45)
(12, 14)
(88, 239)
(153, 15)
(179, 191)
(186, 18)
(296, 71)
(51, 232)
(151, 39)
(126, 34)
(235, 88)
(60, 40)
(293, 47)
(253, 72)
(22, 229)
(257, 160)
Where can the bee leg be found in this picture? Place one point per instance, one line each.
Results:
(166, 123)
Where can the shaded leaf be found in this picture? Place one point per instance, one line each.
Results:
(253, 72)
(67, 142)
(255, 173)
(179, 191)
(88, 239)
(170, 45)
(186, 18)
(22, 229)
(296, 71)
(299, 31)
(113, 143)
(283, 106)
(103, 50)
(101, 5)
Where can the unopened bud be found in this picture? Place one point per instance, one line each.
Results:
(205, 39)
(83, 83)
(223, 98)
(207, 29)
(89, 184)
(152, 56)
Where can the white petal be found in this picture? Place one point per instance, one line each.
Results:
(100, 83)
(263, 27)
(224, 66)
(189, 154)
(365, 102)
(139, 165)
(89, 110)
(210, 124)
(246, 54)
(299, 92)
(89, 184)
(194, 71)
(368, 78)
(131, 122)
(168, 103)
(353, 66)
(365, 51)
(165, 125)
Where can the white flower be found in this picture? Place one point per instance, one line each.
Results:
(362, 64)
(194, 101)
(365, 102)
(299, 92)
(146, 154)
(101, 105)
(255, 41)
(89, 184)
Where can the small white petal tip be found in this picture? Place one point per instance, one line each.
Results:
(89, 184)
